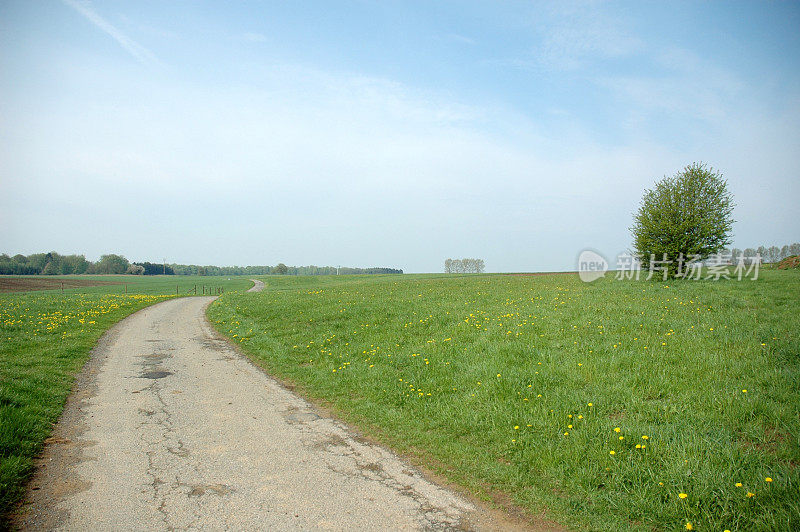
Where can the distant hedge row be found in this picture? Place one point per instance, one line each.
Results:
(55, 264)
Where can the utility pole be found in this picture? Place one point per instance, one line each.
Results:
(337, 269)
(165, 266)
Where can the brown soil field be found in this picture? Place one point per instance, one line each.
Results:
(26, 284)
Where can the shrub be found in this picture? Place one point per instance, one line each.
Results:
(135, 269)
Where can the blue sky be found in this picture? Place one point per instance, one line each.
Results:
(386, 133)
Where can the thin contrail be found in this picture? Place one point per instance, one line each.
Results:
(139, 52)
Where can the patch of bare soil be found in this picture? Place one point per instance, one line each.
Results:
(27, 284)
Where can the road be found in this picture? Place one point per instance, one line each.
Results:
(170, 428)
(258, 286)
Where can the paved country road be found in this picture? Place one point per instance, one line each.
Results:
(170, 428)
(258, 286)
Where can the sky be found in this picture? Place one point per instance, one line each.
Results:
(381, 133)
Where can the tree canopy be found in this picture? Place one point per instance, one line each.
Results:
(684, 217)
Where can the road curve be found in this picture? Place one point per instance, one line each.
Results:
(170, 428)
(258, 286)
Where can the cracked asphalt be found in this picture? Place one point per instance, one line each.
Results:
(171, 429)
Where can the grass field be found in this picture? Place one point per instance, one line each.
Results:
(45, 338)
(606, 406)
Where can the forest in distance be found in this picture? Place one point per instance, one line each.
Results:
(53, 263)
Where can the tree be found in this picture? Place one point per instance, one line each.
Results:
(281, 269)
(74, 264)
(135, 269)
(687, 215)
(464, 265)
(111, 264)
(774, 253)
(50, 269)
(52, 264)
(151, 268)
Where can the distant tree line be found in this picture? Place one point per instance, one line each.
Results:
(771, 254)
(279, 269)
(55, 264)
(44, 263)
(151, 268)
(464, 266)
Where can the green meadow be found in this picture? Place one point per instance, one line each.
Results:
(613, 405)
(46, 337)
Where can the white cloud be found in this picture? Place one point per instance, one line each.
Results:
(139, 52)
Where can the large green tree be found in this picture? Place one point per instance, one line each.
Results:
(112, 264)
(686, 216)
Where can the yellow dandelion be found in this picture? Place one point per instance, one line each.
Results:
(682, 495)
(689, 526)
(738, 484)
(750, 494)
(768, 479)
(617, 429)
(612, 453)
